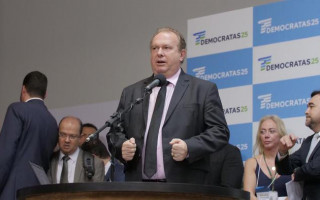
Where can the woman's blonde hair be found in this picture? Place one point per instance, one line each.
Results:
(281, 129)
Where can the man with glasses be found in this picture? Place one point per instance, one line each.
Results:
(67, 165)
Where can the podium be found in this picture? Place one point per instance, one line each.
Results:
(129, 190)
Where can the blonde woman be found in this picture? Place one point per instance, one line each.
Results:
(260, 173)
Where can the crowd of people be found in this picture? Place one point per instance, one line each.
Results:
(177, 134)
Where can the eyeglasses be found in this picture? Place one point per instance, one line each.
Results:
(71, 137)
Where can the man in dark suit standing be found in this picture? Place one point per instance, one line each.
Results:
(305, 162)
(190, 126)
(29, 133)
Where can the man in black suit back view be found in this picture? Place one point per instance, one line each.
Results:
(29, 133)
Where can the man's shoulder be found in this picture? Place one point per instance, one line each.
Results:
(139, 83)
(197, 80)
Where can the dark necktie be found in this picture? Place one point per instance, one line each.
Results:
(64, 172)
(150, 160)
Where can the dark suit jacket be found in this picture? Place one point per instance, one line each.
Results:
(79, 174)
(29, 133)
(118, 173)
(307, 172)
(226, 167)
(195, 115)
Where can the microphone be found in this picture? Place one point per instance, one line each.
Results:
(159, 80)
(91, 137)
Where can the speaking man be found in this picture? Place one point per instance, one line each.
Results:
(169, 136)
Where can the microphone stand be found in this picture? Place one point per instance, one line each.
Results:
(115, 124)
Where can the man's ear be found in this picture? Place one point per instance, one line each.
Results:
(183, 54)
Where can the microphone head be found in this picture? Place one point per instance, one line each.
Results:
(161, 78)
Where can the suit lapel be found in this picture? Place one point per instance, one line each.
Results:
(54, 165)
(180, 89)
(314, 150)
(145, 103)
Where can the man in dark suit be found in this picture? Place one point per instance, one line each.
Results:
(29, 133)
(305, 162)
(192, 123)
(69, 139)
(226, 168)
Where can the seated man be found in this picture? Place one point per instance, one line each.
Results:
(97, 148)
(226, 168)
(67, 164)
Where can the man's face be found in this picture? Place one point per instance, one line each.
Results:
(86, 131)
(166, 57)
(69, 135)
(313, 113)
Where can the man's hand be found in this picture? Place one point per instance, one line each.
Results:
(128, 149)
(179, 150)
(286, 143)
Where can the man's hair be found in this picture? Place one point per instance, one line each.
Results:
(36, 84)
(316, 92)
(182, 41)
(80, 122)
(97, 148)
(89, 125)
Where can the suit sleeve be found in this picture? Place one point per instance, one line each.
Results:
(9, 139)
(308, 171)
(99, 171)
(120, 135)
(216, 132)
(294, 164)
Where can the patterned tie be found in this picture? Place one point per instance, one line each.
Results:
(64, 172)
(314, 143)
(150, 161)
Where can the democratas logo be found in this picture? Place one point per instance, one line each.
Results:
(266, 102)
(201, 39)
(267, 28)
(199, 36)
(267, 65)
(233, 110)
(200, 72)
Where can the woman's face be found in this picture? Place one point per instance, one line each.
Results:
(269, 135)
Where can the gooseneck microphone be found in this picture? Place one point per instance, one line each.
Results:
(159, 80)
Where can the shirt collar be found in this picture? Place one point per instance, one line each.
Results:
(174, 79)
(33, 98)
(72, 156)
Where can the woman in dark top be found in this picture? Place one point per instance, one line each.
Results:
(260, 172)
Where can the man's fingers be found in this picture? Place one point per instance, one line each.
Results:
(132, 140)
(174, 141)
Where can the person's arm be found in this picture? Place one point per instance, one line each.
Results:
(216, 134)
(249, 178)
(9, 138)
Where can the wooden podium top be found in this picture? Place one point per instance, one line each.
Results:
(129, 190)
